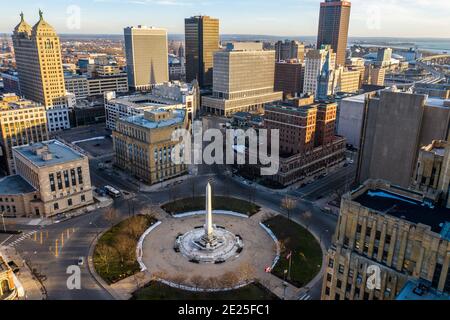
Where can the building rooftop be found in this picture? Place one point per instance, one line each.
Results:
(15, 185)
(439, 103)
(420, 290)
(48, 153)
(142, 120)
(410, 209)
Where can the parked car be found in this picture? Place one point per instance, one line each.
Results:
(81, 261)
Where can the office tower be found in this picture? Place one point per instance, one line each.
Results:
(384, 56)
(374, 75)
(38, 58)
(395, 234)
(21, 122)
(289, 50)
(243, 80)
(151, 134)
(289, 77)
(315, 61)
(201, 41)
(333, 27)
(394, 127)
(308, 144)
(146, 51)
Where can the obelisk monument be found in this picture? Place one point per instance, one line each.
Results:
(209, 224)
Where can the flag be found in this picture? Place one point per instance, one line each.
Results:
(268, 270)
(289, 256)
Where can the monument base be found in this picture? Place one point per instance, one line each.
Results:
(219, 248)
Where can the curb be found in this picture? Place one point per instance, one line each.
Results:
(94, 274)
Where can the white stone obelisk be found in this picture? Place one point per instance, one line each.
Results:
(209, 225)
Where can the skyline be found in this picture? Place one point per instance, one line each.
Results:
(370, 18)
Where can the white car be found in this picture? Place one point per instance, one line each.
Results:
(81, 261)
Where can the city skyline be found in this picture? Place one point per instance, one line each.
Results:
(387, 18)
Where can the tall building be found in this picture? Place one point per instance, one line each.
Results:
(51, 178)
(21, 122)
(143, 144)
(38, 59)
(289, 77)
(289, 50)
(319, 64)
(243, 80)
(333, 27)
(146, 51)
(395, 126)
(308, 144)
(396, 233)
(202, 41)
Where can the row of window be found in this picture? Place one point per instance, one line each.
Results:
(68, 181)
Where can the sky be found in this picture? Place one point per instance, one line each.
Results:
(369, 18)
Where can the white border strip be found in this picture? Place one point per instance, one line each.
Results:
(139, 252)
(273, 236)
(202, 212)
(192, 289)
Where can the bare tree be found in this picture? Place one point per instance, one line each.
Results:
(288, 204)
(307, 215)
(111, 215)
(124, 246)
(136, 226)
(104, 253)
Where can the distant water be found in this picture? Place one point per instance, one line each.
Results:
(433, 45)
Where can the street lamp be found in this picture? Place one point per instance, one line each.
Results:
(3, 221)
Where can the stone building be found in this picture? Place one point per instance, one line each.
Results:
(21, 122)
(39, 64)
(52, 178)
(7, 288)
(395, 126)
(143, 144)
(289, 50)
(391, 235)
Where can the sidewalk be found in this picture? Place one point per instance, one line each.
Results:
(32, 287)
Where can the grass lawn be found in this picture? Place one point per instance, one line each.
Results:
(159, 291)
(115, 253)
(219, 203)
(306, 251)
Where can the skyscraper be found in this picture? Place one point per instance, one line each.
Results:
(202, 40)
(333, 27)
(146, 51)
(315, 63)
(38, 59)
(244, 77)
(289, 50)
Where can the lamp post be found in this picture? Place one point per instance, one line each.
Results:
(3, 221)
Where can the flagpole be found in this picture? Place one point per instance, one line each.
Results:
(290, 266)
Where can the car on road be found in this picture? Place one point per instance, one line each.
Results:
(81, 261)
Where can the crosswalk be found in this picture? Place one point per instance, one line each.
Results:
(304, 296)
(22, 238)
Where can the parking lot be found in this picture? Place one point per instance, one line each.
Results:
(98, 147)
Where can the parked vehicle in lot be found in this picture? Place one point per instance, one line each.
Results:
(113, 192)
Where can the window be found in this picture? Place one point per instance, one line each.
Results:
(80, 175)
(83, 198)
(66, 179)
(59, 179)
(56, 206)
(329, 277)
(69, 202)
(341, 268)
(330, 263)
(339, 284)
(52, 182)
(73, 176)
